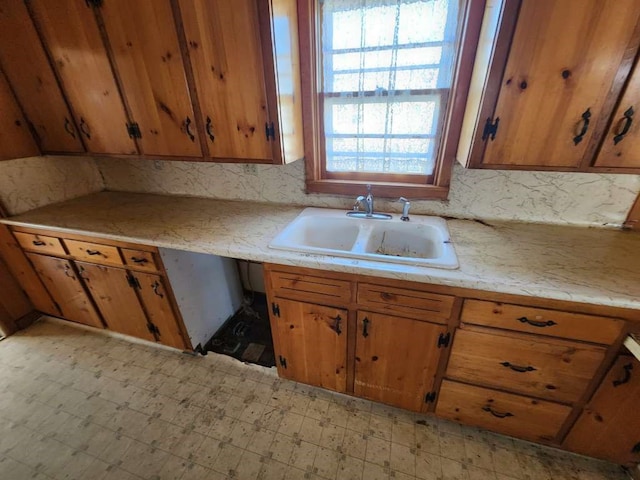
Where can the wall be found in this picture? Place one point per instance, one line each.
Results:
(546, 197)
(28, 183)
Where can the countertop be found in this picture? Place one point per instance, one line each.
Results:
(595, 266)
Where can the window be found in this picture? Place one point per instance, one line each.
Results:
(382, 75)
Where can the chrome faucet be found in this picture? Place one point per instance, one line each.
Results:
(405, 209)
(367, 203)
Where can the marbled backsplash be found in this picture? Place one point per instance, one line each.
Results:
(28, 183)
(545, 197)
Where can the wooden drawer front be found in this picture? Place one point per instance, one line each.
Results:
(405, 302)
(506, 413)
(555, 323)
(94, 252)
(40, 243)
(312, 288)
(139, 259)
(545, 368)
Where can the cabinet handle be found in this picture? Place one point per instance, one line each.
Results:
(139, 260)
(68, 128)
(39, 243)
(93, 252)
(487, 408)
(209, 129)
(626, 377)
(628, 120)
(365, 327)
(156, 285)
(585, 126)
(67, 272)
(84, 128)
(518, 368)
(636, 448)
(187, 127)
(535, 323)
(336, 324)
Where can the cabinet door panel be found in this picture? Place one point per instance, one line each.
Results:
(312, 340)
(155, 299)
(116, 299)
(71, 33)
(16, 140)
(61, 280)
(26, 66)
(396, 359)
(224, 46)
(563, 62)
(148, 59)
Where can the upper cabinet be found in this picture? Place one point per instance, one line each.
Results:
(15, 138)
(547, 85)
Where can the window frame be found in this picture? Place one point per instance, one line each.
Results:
(435, 186)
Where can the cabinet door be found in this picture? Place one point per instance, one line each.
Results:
(223, 39)
(562, 65)
(609, 426)
(116, 299)
(28, 70)
(147, 55)
(72, 36)
(16, 140)
(396, 359)
(311, 344)
(155, 299)
(61, 280)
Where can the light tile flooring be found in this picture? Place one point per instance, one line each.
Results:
(80, 405)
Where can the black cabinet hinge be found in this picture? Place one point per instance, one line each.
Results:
(490, 129)
(430, 397)
(93, 3)
(133, 281)
(155, 331)
(283, 361)
(444, 339)
(275, 309)
(133, 129)
(270, 131)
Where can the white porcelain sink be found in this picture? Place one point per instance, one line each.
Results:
(422, 241)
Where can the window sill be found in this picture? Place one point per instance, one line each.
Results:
(384, 190)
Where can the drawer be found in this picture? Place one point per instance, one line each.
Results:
(310, 287)
(540, 367)
(515, 415)
(406, 302)
(139, 259)
(555, 323)
(40, 243)
(94, 252)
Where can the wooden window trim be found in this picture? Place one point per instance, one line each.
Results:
(435, 186)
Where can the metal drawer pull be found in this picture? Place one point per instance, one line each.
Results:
(156, 285)
(68, 128)
(39, 243)
(627, 375)
(93, 252)
(187, 127)
(628, 120)
(84, 128)
(518, 368)
(336, 324)
(365, 327)
(497, 414)
(585, 126)
(535, 323)
(139, 260)
(209, 129)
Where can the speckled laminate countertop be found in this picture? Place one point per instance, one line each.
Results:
(595, 266)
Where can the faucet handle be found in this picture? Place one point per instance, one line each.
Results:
(405, 209)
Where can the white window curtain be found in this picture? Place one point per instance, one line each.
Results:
(387, 67)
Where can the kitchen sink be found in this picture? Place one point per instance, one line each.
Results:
(422, 241)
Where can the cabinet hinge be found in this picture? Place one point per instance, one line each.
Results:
(490, 129)
(444, 339)
(133, 281)
(283, 361)
(93, 3)
(430, 397)
(270, 130)
(275, 309)
(133, 129)
(155, 331)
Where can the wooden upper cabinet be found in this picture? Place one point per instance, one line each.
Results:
(28, 70)
(223, 40)
(147, 57)
(15, 138)
(72, 36)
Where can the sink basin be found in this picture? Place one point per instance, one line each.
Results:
(423, 241)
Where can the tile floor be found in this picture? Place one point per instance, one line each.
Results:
(79, 405)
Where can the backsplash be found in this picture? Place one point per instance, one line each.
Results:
(28, 183)
(545, 197)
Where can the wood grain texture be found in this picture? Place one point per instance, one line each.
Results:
(27, 67)
(319, 289)
(563, 61)
(73, 39)
(16, 140)
(63, 283)
(396, 361)
(555, 369)
(139, 259)
(32, 242)
(514, 415)
(94, 252)
(609, 425)
(14, 303)
(223, 40)
(147, 56)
